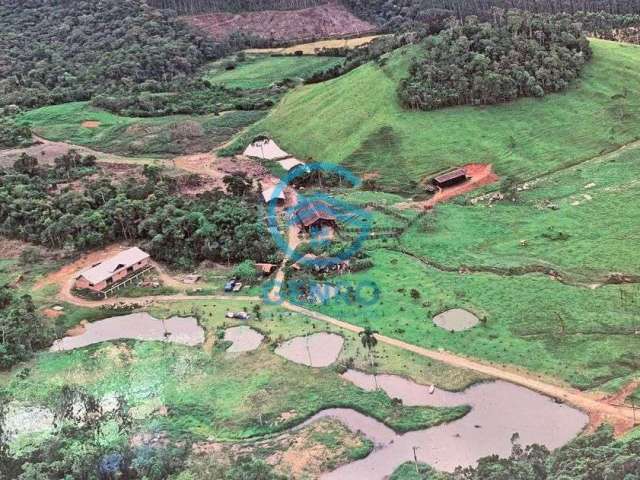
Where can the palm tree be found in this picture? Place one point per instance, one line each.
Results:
(369, 341)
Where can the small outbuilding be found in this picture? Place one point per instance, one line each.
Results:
(450, 179)
(273, 193)
(105, 274)
(316, 214)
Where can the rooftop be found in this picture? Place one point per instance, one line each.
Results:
(314, 211)
(100, 272)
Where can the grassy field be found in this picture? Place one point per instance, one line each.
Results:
(356, 120)
(261, 71)
(313, 47)
(575, 334)
(581, 222)
(177, 134)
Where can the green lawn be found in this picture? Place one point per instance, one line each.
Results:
(176, 134)
(260, 71)
(356, 120)
(590, 231)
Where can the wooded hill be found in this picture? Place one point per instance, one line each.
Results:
(56, 52)
(192, 7)
(474, 63)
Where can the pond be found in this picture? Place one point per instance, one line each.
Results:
(498, 410)
(244, 339)
(456, 320)
(135, 326)
(317, 350)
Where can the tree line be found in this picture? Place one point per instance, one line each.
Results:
(518, 54)
(403, 14)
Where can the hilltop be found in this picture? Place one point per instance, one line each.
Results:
(356, 120)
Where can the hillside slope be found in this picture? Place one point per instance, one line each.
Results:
(356, 120)
(322, 21)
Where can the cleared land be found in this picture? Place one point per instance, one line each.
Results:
(356, 120)
(331, 20)
(172, 135)
(261, 71)
(312, 48)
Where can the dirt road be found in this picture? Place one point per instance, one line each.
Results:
(599, 410)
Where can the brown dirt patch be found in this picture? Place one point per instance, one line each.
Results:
(12, 248)
(324, 21)
(77, 330)
(480, 174)
(91, 124)
(300, 454)
(212, 170)
(66, 273)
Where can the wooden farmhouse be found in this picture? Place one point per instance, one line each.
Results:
(102, 276)
(315, 215)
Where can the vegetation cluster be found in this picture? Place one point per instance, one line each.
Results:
(173, 229)
(474, 63)
(56, 52)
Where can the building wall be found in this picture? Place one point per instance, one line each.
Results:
(82, 283)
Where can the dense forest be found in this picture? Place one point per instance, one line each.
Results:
(54, 52)
(42, 205)
(190, 7)
(474, 63)
(405, 13)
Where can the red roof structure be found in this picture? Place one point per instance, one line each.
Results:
(451, 178)
(315, 212)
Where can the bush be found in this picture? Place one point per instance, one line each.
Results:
(246, 271)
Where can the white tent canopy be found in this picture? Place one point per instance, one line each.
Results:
(265, 149)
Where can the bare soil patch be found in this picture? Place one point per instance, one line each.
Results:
(212, 170)
(324, 21)
(12, 248)
(299, 454)
(91, 124)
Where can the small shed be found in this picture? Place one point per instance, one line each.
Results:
(273, 193)
(450, 178)
(316, 214)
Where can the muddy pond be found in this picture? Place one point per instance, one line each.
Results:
(498, 410)
(244, 339)
(456, 320)
(135, 326)
(317, 350)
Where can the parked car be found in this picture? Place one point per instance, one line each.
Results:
(228, 287)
